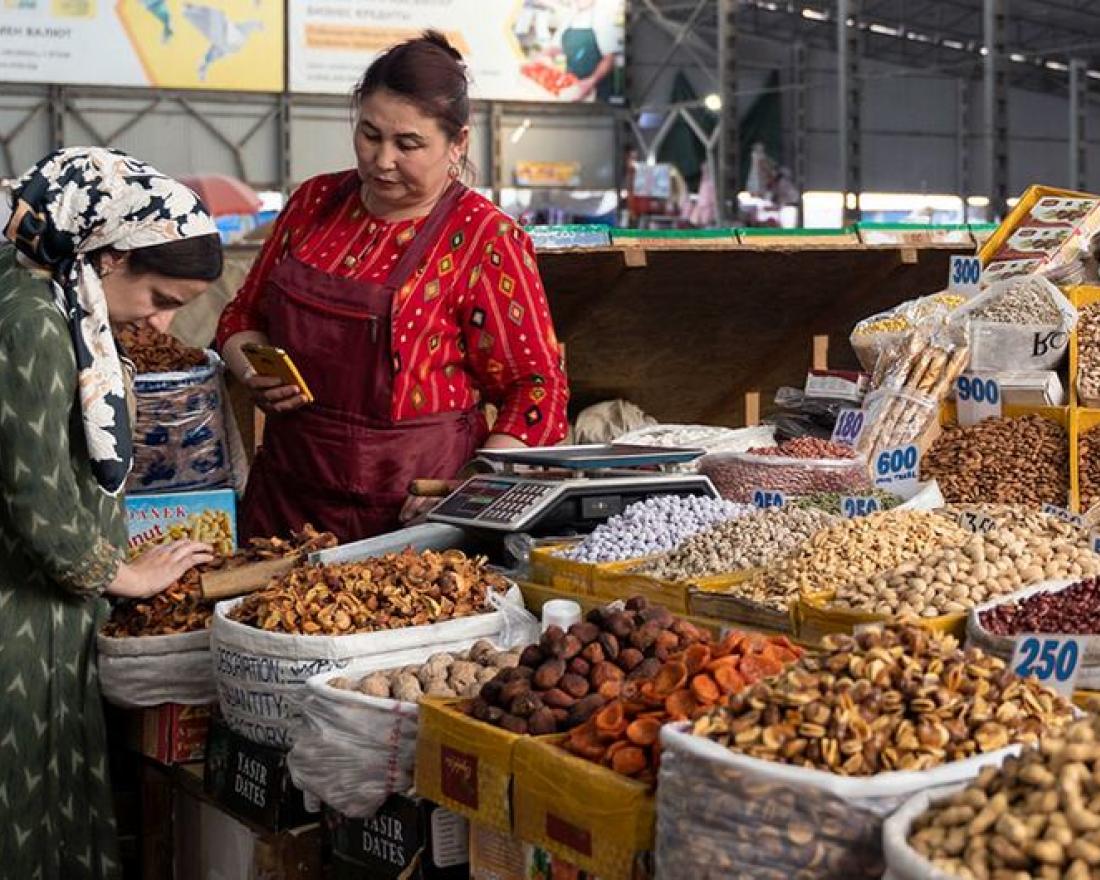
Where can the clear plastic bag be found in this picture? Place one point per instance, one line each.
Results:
(896, 418)
(736, 475)
(871, 336)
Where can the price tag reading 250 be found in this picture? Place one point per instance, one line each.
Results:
(765, 498)
(1054, 660)
(897, 470)
(978, 397)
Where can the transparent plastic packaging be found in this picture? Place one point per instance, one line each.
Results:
(736, 475)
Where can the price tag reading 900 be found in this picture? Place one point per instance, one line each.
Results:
(979, 397)
(849, 427)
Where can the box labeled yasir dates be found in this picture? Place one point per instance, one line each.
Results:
(208, 516)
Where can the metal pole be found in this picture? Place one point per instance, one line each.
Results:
(798, 77)
(850, 100)
(729, 162)
(962, 151)
(996, 106)
(1078, 117)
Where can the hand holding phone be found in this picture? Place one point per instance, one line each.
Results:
(277, 384)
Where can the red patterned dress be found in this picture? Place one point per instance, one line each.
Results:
(401, 329)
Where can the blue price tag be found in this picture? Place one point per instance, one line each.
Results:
(965, 274)
(859, 505)
(1064, 515)
(978, 397)
(849, 427)
(765, 498)
(898, 470)
(1094, 541)
(1054, 660)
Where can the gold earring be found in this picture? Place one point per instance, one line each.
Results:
(453, 171)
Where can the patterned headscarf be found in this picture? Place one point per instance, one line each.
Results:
(72, 203)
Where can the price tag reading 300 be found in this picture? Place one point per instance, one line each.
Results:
(1054, 660)
(897, 470)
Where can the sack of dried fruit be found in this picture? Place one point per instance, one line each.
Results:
(797, 773)
(355, 737)
(152, 670)
(1020, 324)
(321, 618)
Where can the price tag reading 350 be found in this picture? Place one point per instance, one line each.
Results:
(849, 427)
(765, 498)
(978, 397)
(897, 470)
(1054, 660)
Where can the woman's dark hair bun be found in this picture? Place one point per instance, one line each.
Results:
(438, 38)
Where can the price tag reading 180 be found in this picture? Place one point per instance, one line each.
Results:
(849, 427)
(897, 470)
(1054, 660)
(978, 397)
(765, 498)
(859, 505)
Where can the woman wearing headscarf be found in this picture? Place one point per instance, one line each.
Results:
(98, 240)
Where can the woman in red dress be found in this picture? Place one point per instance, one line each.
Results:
(406, 300)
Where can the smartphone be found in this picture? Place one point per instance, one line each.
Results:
(267, 360)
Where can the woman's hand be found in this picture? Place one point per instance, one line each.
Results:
(416, 509)
(158, 568)
(271, 395)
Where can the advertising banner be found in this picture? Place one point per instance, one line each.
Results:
(172, 44)
(516, 50)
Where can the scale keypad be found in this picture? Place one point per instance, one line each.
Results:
(514, 503)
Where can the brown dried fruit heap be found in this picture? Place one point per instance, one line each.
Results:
(902, 698)
(383, 592)
(181, 608)
(567, 676)
(156, 352)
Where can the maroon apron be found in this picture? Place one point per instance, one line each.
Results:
(342, 463)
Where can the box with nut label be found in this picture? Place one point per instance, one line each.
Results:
(590, 816)
(209, 516)
(464, 764)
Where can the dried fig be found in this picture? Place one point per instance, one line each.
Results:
(549, 674)
(619, 625)
(658, 614)
(580, 666)
(552, 642)
(596, 617)
(556, 698)
(491, 690)
(585, 631)
(593, 653)
(574, 685)
(513, 724)
(646, 669)
(610, 646)
(512, 690)
(573, 647)
(605, 671)
(479, 709)
(637, 603)
(583, 709)
(525, 705)
(560, 716)
(532, 657)
(645, 637)
(629, 659)
(542, 722)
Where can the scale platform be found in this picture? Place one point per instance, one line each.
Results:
(566, 488)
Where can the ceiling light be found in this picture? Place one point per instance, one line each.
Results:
(713, 102)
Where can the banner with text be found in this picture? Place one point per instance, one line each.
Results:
(172, 44)
(516, 50)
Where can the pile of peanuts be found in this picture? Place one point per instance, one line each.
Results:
(1037, 815)
(1009, 460)
(1074, 610)
(1088, 351)
(1088, 460)
(751, 541)
(951, 580)
(852, 549)
(806, 447)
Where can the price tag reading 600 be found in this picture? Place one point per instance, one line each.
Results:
(896, 469)
(1053, 660)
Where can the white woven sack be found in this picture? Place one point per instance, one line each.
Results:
(260, 675)
(902, 861)
(352, 751)
(142, 671)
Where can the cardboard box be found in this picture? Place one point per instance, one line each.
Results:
(209, 516)
(408, 838)
(210, 843)
(170, 734)
(495, 855)
(252, 781)
(465, 765)
(591, 817)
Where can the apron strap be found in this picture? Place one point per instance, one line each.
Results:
(424, 239)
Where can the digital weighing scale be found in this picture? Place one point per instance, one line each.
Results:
(566, 488)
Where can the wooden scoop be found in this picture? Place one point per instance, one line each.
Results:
(433, 488)
(246, 579)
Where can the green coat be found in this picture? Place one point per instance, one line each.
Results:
(61, 541)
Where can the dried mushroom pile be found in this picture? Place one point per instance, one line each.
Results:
(1037, 815)
(442, 675)
(952, 580)
(625, 734)
(849, 550)
(383, 592)
(181, 608)
(156, 352)
(560, 682)
(901, 698)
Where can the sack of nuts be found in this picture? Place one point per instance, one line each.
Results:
(795, 776)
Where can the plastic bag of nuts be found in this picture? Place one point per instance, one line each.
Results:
(1036, 816)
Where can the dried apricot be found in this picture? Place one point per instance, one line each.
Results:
(705, 690)
(643, 731)
(629, 761)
